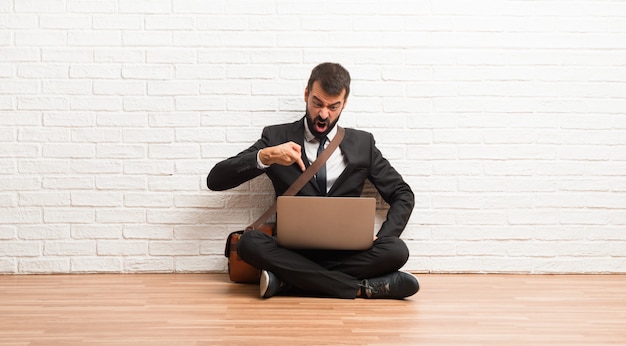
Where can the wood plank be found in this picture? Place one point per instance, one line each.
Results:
(206, 309)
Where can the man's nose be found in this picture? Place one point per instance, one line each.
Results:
(324, 113)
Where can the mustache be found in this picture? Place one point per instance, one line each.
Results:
(319, 119)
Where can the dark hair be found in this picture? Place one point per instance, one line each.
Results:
(333, 78)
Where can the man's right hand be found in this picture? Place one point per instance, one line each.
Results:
(284, 154)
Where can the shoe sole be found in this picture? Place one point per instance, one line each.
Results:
(264, 283)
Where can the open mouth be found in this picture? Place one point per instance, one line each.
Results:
(321, 126)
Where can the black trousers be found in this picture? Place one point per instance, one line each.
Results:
(324, 273)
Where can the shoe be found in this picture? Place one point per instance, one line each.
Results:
(271, 285)
(396, 285)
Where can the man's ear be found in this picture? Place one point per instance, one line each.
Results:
(306, 94)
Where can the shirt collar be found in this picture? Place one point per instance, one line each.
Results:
(309, 136)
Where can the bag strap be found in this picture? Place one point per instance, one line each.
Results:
(307, 175)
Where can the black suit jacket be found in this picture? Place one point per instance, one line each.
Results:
(364, 162)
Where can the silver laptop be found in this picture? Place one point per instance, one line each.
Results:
(326, 223)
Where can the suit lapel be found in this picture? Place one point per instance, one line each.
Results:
(296, 135)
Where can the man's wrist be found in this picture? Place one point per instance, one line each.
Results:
(259, 162)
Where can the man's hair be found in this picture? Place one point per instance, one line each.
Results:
(333, 78)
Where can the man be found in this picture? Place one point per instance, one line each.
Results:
(283, 152)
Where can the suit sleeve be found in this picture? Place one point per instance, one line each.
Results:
(238, 169)
(394, 190)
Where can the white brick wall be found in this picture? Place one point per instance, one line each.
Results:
(506, 117)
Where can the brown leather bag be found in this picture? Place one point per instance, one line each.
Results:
(238, 269)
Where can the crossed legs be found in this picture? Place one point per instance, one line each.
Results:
(327, 273)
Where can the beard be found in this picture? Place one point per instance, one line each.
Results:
(318, 126)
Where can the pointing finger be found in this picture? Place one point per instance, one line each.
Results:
(301, 164)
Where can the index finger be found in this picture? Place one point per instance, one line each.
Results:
(301, 164)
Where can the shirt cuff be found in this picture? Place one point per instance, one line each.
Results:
(260, 164)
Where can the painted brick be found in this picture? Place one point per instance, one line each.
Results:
(7, 232)
(144, 71)
(120, 55)
(31, 199)
(68, 183)
(44, 232)
(96, 199)
(45, 265)
(122, 248)
(88, 264)
(148, 167)
(20, 249)
(96, 166)
(21, 215)
(96, 231)
(122, 22)
(124, 216)
(174, 248)
(65, 150)
(153, 232)
(69, 215)
(119, 151)
(116, 87)
(149, 264)
(148, 200)
(169, 22)
(69, 248)
(120, 183)
(8, 266)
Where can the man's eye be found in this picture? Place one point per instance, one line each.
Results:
(334, 108)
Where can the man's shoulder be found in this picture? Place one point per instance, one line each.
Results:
(359, 134)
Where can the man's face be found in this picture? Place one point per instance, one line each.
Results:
(322, 110)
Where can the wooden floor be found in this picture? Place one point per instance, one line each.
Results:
(206, 309)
